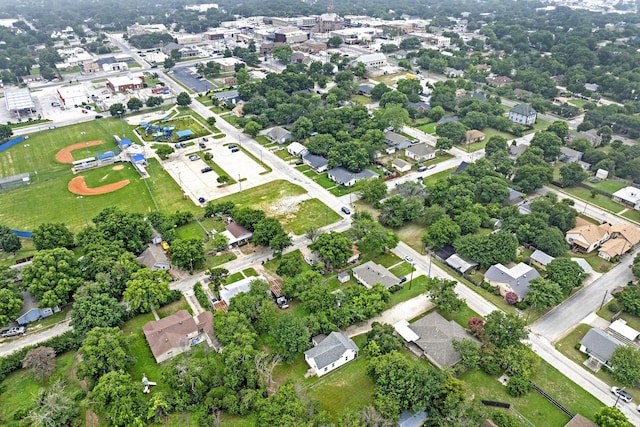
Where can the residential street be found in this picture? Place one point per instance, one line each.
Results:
(10, 346)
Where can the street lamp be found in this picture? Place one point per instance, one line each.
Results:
(84, 214)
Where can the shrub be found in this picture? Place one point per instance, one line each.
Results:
(518, 386)
(614, 307)
(511, 298)
(502, 419)
(201, 296)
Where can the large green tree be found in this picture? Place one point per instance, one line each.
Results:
(118, 397)
(291, 337)
(130, 228)
(53, 276)
(572, 174)
(609, 416)
(441, 233)
(371, 190)
(188, 254)
(96, 310)
(147, 290)
(183, 99)
(53, 235)
(334, 248)
(442, 293)
(103, 350)
(10, 296)
(566, 273)
(504, 330)
(626, 364)
(54, 406)
(544, 294)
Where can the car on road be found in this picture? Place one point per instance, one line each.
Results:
(409, 260)
(98, 116)
(403, 279)
(12, 332)
(194, 157)
(207, 169)
(202, 145)
(205, 139)
(622, 395)
(422, 169)
(346, 210)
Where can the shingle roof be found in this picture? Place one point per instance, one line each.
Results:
(371, 273)
(523, 109)
(541, 257)
(590, 233)
(314, 160)
(630, 232)
(343, 175)
(394, 138)
(278, 133)
(330, 349)
(518, 277)
(420, 150)
(171, 331)
(600, 344)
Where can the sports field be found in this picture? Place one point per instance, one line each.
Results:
(48, 199)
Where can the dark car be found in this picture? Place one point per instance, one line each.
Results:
(205, 139)
(235, 150)
(403, 279)
(232, 146)
(201, 199)
(202, 145)
(99, 116)
(422, 169)
(346, 210)
(205, 170)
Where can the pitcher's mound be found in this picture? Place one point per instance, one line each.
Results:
(78, 186)
(118, 167)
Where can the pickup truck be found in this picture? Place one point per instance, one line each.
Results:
(12, 332)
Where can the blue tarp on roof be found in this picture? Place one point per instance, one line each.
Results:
(125, 142)
(137, 158)
(184, 133)
(106, 155)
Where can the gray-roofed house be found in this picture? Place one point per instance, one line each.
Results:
(452, 72)
(297, 149)
(419, 152)
(516, 150)
(315, 162)
(420, 106)
(514, 197)
(460, 263)
(540, 258)
(599, 346)
(515, 279)
(432, 336)
(332, 352)
(343, 176)
(417, 419)
(279, 134)
(396, 140)
(447, 119)
(523, 114)
(36, 314)
(370, 273)
(231, 290)
(401, 165)
(590, 135)
(229, 96)
(365, 89)
(569, 155)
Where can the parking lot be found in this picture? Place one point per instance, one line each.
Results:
(188, 77)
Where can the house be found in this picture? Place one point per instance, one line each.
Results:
(370, 273)
(580, 421)
(421, 106)
(461, 168)
(499, 81)
(229, 96)
(473, 135)
(236, 234)
(629, 196)
(36, 314)
(514, 197)
(297, 149)
(279, 135)
(419, 152)
(365, 89)
(599, 346)
(344, 277)
(330, 353)
(227, 292)
(628, 232)
(624, 237)
(515, 279)
(586, 238)
(373, 60)
(613, 248)
(318, 163)
(590, 135)
(541, 259)
(396, 140)
(175, 334)
(228, 64)
(432, 336)
(569, 155)
(623, 331)
(460, 263)
(355, 255)
(400, 165)
(407, 419)
(125, 83)
(452, 72)
(343, 176)
(523, 114)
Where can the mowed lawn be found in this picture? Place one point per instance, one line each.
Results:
(263, 196)
(51, 201)
(310, 214)
(598, 200)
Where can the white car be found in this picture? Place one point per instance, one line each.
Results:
(194, 157)
(622, 395)
(409, 260)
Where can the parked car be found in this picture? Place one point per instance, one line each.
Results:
(422, 169)
(403, 279)
(177, 145)
(202, 145)
(346, 210)
(201, 199)
(232, 146)
(12, 332)
(99, 116)
(194, 157)
(308, 260)
(207, 169)
(409, 260)
(235, 150)
(623, 395)
(183, 145)
(205, 139)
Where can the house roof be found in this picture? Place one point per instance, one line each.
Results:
(436, 338)
(631, 194)
(590, 135)
(541, 257)
(447, 119)
(399, 163)
(420, 150)
(461, 167)
(296, 147)
(580, 421)
(514, 195)
(620, 326)
(330, 349)
(615, 247)
(372, 57)
(420, 105)
(474, 134)
(278, 133)
(600, 344)
(629, 232)
(589, 234)
(394, 138)
(518, 277)
(236, 229)
(231, 290)
(403, 329)
(172, 331)
(365, 88)
(586, 267)
(523, 109)
(460, 263)
(230, 94)
(570, 152)
(416, 419)
(371, 273)
(343, 175)
(314, 160)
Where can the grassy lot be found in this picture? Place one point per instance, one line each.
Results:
(410, 290)
(567, 346)
(263, 140)
(219, 259)
(386, 260)
(598, 200)
(633, 215)
(249, 272)
(310, 214)
(432, 179)
(234, 277)
(632, 321)
(264, 196)
(607, 185)
(461, 317)
(429, 128)
(402, 269)
(230, 118)
(361, 99)
(323, 180)
(438, 159)
(341, 190)
(471, 148)
(27, 250)
(489, 132)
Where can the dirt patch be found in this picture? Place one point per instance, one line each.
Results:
(78, 186)
(64, 155)
(118, 167)
(91, 419)
(287, 205)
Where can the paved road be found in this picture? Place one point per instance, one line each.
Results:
(9, 347)
(587, 208)
(562, 319)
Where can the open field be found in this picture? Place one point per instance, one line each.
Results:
(263, 196)
(607, 185)
(633, 215)
(310, 214)
(598, 200)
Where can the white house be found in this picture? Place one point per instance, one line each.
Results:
(420, 152)
(370, 273)
(297, 149)
(236, 233)
(342, 176)
(373, 60)
(330, 353)
(523, 114)
(315, 162)
(629, 196)
(400, 165)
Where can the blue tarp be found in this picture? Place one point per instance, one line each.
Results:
(138, 158)
(184, 133)
(24, 234)
(106, 155)
(11, 143)
(125, 142)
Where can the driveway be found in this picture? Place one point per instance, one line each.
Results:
(11, 346)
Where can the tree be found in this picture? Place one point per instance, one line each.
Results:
(169, 63)
(154, 101)
(10, 243)
(188, 254)
(252, 128)
(302, 128)
(469, 352)
(211, 121)
(164, 151)
(371, 236)
(442, 293)
(10, 296)
(219, 241)
(531, 177)
(552, 241)
(131, 228)
(53, 276)
(560, 128)
(379, 90)
(371, 190)
(117, 110)
(53, 407)
(610, 416)
(282, 53)
(352, 155)
(183, 99)
(543, 294)
(147, 290)
(6, 132)
(625, 361)
(217, 276)
(496, 144)
(572, 174)
(635, 267)
(396, 210)
(436, 113)
(52, 235)
(385, 339)
(291, 336)
(491, 189)
(334, 248)
(134, 104)
(441, 233)
(290, 265)
(566, 273)
(95, 309)
(455, 131)
(41, 361)
(118, 398)
(549, 142)
(269, 232)
(444, 143)
(103, 350)
(334, 41)
(519, 385)
(504, 330)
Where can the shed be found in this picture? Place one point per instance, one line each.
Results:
(184, 134)
(620, 327)
(344, 276)
(460, 263)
